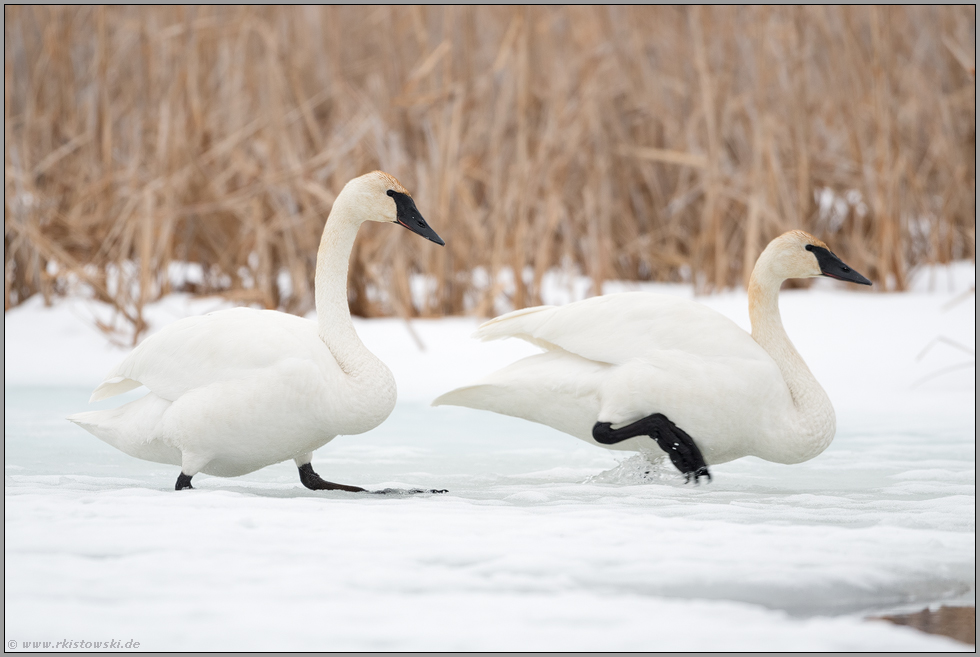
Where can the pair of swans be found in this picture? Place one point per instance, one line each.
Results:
(236, 390)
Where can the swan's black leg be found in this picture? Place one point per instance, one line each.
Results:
(679, 446)
(313, 481)
(183, 481)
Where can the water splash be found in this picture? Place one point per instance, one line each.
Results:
(639, 469)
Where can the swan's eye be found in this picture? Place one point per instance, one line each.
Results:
(809, 247)
(845, 268)
(391, 193)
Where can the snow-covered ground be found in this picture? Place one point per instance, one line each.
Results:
(542, 542)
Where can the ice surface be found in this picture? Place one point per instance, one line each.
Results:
(542, 543)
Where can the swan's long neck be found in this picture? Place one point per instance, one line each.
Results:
(814, 417)
(332, 309)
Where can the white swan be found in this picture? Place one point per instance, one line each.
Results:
(670, 369)
(237, 390)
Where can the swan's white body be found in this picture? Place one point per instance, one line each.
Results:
(237, 390)
(622, 357)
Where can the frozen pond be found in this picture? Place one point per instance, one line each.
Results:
(542, 542)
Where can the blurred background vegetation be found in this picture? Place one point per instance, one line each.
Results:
(638, 143)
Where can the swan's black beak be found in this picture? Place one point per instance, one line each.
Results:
(833, 267)
(409, 216)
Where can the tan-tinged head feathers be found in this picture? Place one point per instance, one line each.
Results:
(803, 237)
(389, 180)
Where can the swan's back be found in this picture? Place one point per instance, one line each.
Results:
(619, 328)
(228, 344)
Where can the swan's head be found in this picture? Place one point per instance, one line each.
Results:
(798, 254)
(378, 196)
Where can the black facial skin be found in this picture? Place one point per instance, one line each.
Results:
(408, 216)
(832, 266)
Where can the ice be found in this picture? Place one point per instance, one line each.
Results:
(542, 542)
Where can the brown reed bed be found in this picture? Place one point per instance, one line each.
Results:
(631, 142)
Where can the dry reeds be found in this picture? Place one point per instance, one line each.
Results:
(632, 142)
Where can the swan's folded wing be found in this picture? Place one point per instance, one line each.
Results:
(619, 327)
(198, 351)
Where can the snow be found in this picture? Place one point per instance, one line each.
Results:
(542, 542)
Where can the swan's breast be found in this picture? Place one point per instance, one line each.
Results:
(369, 398)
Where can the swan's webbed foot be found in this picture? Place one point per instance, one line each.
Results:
(409, 491)
(700, 472)
(183, 481)
(313, 481)
(673, 440)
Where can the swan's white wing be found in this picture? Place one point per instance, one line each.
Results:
(620, 327)
(199, 351)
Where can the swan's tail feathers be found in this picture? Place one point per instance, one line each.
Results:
(518, 324)
(499, 399)
(469, 396)
(112, 387)
(86, 420)
(574, 419)
(131, 428)
(554, 388)
(107, 426)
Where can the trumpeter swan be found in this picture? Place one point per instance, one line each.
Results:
(237, 390)
(622, 369)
